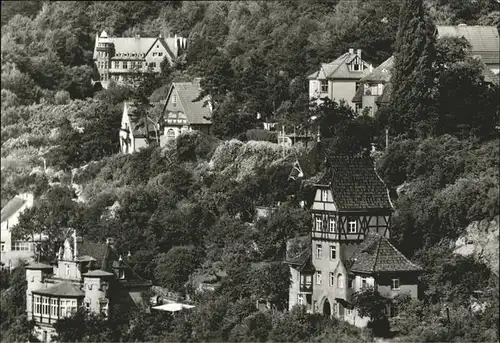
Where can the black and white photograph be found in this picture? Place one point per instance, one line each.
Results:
(250, 171)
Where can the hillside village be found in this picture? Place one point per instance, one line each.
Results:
(250, 171)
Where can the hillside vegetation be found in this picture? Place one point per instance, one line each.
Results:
(185, 211)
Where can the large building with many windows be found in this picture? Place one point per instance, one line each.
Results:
(85, 274)
(118, 58)
(348, 248)
(339, 79)
(180, 112)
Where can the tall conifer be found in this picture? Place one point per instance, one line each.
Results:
(411, 110)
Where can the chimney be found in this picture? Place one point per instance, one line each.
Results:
(351, 51)
(359, 53)
(137, 36)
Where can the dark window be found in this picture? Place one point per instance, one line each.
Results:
(324, 86)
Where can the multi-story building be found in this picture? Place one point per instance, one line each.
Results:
(86, 274)
(13, 251)
(375, 89)
(118, 58)
(180, 112)
(184, 112)
(348, 247)
(339, 79)
(484, 41)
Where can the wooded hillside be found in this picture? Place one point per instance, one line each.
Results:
(185, 211)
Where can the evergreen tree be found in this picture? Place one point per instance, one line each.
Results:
(411, 110)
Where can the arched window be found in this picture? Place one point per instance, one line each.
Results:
(170, 134)
(340, 280)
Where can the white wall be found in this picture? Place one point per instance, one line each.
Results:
(9, 256)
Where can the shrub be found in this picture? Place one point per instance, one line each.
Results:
(62, 98)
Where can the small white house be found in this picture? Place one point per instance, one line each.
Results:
(184, 112)
(12, 251)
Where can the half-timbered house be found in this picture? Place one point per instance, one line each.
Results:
(348, 247)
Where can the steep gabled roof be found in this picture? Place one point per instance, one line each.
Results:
(112, 260)
(484, 40)
(132, 45)
(62, 289)
(338, 69)
(382, 73)
(376, 254)
(12, 207)
(196, 112)
(386, 94)
(355, 184)
(97, 251)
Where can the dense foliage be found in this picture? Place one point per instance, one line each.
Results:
(185, 212)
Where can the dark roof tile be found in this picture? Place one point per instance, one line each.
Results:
(355, 184)
(382, 73)
(197, 112)
(376, 254)
(94, 250)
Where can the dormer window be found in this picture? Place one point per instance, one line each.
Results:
(324, 86)
(357, 67)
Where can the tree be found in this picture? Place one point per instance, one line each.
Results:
(272, 283)
(175, 266)
(20, 84)
(68, 154)
(287, 222)
(411, 109)
(83, 326)
(49, 216)
(294, 326)
(14, 323)
(369, 303)
(100, 136)
(330, 115)
(475, 109)
(230, 119)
